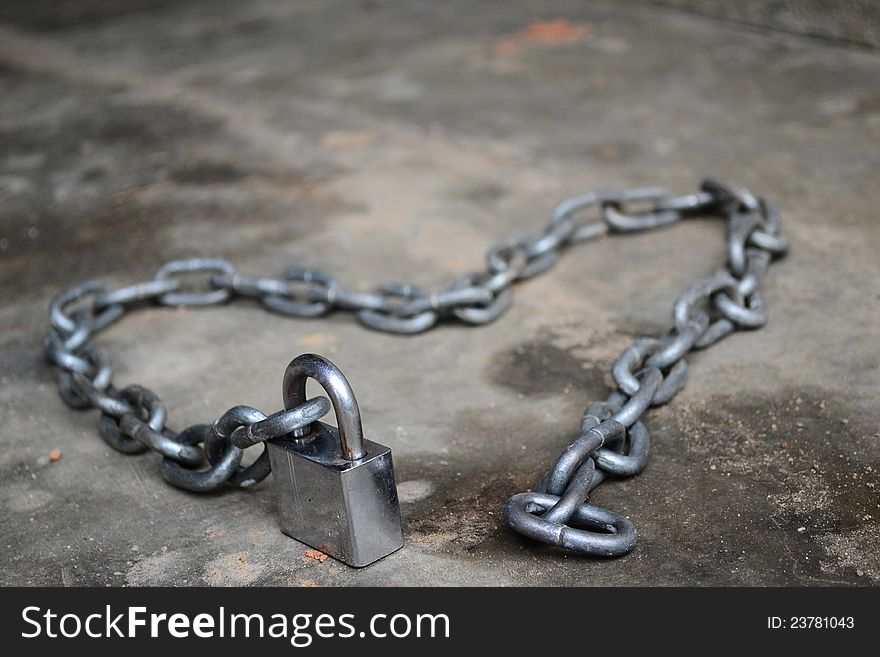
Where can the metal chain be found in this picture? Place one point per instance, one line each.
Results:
(612, 439)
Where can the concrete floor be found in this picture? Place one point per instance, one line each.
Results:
(385, 141)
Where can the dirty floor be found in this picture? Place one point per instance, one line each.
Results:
(395, 141)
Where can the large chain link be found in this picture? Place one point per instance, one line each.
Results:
(612, 439)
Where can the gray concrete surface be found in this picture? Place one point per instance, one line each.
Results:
(852, 21)
(386, 141)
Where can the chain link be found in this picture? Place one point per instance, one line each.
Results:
(612, 439)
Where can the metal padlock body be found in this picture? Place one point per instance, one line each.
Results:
(335, 490)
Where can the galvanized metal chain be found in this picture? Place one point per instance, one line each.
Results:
(612, 439)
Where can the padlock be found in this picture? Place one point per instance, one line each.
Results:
(335, 490)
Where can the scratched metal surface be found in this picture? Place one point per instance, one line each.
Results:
(386, 141)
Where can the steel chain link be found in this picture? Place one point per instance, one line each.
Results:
(612, 441)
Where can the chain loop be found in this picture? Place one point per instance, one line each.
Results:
(316, 300)
(135, 294)
(631, 463)
(219, 444)
(201, 481)
(179, 268)
(390, 319)
(147, 408)
(59, 319)
(620, 220)
(164, 442)
(612, 438)
(109, 400)
(95, 372)
(634, 356)
(573, 457)
(594, 531)
(482, 313)
(250, 430)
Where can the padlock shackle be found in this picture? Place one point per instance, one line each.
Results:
(348, 416)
